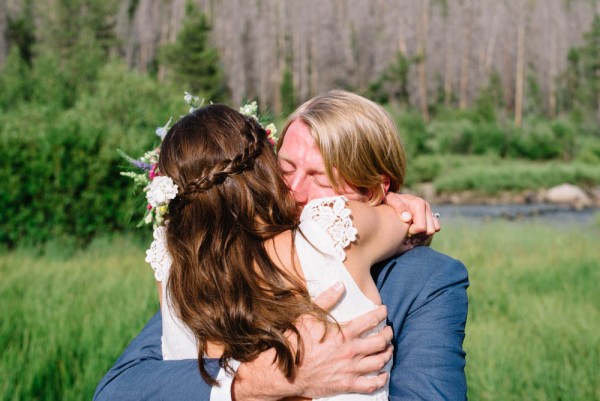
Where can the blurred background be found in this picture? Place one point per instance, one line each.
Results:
(497, 103)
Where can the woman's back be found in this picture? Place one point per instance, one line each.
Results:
(325, 234)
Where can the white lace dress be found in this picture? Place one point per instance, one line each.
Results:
(325, 231)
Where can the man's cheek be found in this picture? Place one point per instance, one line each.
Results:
(323, 192)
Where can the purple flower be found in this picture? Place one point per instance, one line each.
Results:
(135, 162)
(141, 165)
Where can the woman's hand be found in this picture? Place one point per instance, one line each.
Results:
(417, 212)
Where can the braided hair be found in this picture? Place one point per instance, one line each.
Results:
(232, 198)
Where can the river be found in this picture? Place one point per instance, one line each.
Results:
(541, 212)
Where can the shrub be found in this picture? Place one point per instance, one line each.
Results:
(492, 178)
(423, 169)
(564, 133)
(415, 138)
(14, 80)
(489, 138)
(451, 136)
(61, 168)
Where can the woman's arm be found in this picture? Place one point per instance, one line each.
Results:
(415, 211)
(381, 233)
(332, 364)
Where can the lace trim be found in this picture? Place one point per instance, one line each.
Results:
(158, 255)
(332, 215)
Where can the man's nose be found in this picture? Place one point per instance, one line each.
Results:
(298, 186)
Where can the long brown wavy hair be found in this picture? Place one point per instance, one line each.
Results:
(231, 199)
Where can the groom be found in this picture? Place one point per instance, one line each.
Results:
(424, 291)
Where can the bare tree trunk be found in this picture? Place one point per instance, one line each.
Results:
(491, 47)
(268, 77)
(422, 69)
(314, 60)
(464, 64)
(520, 78)
(281, 55)
(447, 64)
(165, 28)
(508, 77)
(553, 68)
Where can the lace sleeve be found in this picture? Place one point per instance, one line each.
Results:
(158, 255)
(332, 215)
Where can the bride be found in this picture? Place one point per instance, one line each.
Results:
(236, 264)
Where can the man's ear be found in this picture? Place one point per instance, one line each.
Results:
(377, 194)
(385, 184)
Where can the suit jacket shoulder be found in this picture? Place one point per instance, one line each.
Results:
(425, 292)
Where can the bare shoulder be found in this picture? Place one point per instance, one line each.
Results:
(281, 251)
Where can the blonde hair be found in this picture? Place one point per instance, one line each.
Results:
(357, 137)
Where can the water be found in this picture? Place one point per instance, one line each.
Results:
(541, 212)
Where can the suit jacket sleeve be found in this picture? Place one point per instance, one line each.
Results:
(141, 374)
(425, 292)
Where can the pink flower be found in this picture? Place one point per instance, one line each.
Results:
(153, 172)
(149, 207)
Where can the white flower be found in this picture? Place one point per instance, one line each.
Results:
(250, 110)
(191, 99)
(151, 157)
(162, 131)
(160, 191)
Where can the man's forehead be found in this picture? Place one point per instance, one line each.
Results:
(299, 146)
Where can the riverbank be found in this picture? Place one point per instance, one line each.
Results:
(560, 215)
(563, 204)
(564, 195)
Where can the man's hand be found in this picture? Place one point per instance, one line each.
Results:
(334, 364)
(417, 211)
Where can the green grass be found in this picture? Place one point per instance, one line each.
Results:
(66, 320)
(533, 331)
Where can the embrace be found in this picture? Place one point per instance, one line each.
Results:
(295, 274)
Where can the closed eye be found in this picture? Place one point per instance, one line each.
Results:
(322, 181)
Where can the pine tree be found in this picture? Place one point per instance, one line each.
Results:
(15, 79)
(590, 66)
(194, 64)
(288, 95)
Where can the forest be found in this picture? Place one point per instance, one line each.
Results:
(422, 53)
(488, 96)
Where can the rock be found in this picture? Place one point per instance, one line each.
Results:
(531, 196)
(455, 199)
(570, 195)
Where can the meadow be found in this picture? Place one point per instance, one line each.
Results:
(533, 331)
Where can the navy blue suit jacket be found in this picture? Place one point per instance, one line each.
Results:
(425, 292)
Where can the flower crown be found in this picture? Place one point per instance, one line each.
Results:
(160, 189)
